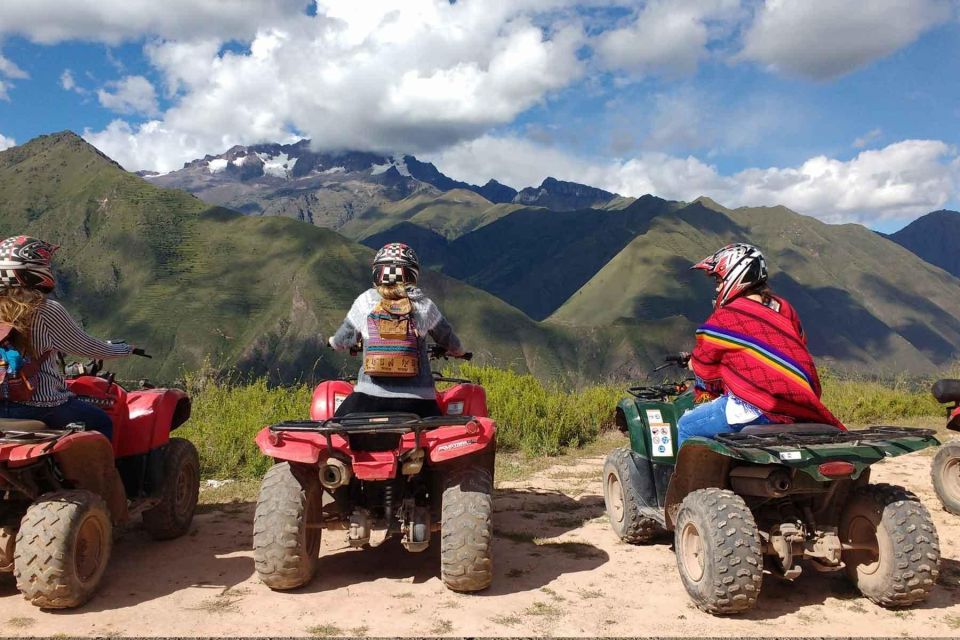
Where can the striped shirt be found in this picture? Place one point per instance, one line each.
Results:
(53, 329)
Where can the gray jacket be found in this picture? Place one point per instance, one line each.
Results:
(429, 321)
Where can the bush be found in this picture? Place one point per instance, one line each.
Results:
(863, 401)
(226, 418)
(533, 417)
(542, 419)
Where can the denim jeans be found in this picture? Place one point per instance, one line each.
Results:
(73, 410)
(709, 419)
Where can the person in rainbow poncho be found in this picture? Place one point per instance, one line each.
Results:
(751, 360)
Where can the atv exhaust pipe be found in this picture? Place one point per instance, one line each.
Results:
(764, 481)
(335, 473)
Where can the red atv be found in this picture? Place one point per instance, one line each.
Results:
(398, 475)
(63, 491)
(945, 470)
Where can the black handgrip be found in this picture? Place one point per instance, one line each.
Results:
(140, 352)
(467, 356)
(355, 351)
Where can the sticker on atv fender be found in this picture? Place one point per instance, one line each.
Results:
(661, 441)
(456, 445)
(791, 455)
(653, 416)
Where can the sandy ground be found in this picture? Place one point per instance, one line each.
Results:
(559, 571)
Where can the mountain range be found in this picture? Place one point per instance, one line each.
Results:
(593, 285)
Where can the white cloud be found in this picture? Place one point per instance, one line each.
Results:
(668, 37)
(131, 95)
(824, 39)
(6, 143)
(113, 21)
(368, 76)
(67, 81)
(896, 183)
(10, 70)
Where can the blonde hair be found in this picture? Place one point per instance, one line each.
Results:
(396, 291)
(18, 306)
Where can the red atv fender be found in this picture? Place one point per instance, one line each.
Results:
(85, 459)
(154, 413)
(441, 444)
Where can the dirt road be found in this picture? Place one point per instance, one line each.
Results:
(560, 571)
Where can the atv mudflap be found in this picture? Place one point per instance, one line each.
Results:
(649, 477)
(705, 462)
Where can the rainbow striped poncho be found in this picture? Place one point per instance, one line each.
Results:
(760, 355)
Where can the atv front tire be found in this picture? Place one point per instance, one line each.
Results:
(945, 473)
(623, 502)
(286, 526)
(718, 551)
(178, 494)
(902, 561)
(466, 530)
(62, 549)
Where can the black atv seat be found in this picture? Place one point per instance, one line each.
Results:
(805, 428)
(946, 391)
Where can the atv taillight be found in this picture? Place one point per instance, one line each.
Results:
(836, 469)
(472, 427)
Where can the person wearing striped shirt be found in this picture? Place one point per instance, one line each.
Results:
(42, 328)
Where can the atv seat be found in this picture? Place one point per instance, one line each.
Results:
(805, 428)
(13, 424)
(946, 391)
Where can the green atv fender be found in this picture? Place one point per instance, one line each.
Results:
(703, 462)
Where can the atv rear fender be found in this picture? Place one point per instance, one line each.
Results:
(442, 444)
(154, 413)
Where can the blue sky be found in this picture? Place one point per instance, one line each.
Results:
(847, 111)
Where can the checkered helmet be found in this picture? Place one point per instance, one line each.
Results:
(25, 262)
(738, 267)
(396, 263)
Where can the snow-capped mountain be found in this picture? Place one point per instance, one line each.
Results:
(332, 188)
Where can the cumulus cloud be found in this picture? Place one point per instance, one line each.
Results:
(895, 183)
(130, 95)
(369, 76)
(113, 21)
(823, 39)
(669, 37)
(6, 143)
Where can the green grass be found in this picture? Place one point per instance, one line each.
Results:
(536, 421)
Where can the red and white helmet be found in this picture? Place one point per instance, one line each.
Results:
(738, 267)
(396, 263)
(25, 262)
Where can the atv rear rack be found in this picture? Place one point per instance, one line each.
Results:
(869, 436)
(374, 423)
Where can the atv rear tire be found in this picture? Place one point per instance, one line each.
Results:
(62, 549)
(718, 551)
(466, 530)
(906, 563)
(622, 501)
(945, 473)
(286, 526)
(179, 493)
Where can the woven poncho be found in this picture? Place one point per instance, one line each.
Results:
(760, 355)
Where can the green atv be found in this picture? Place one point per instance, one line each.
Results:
(766, 498)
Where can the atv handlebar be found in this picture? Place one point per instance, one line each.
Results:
(437, 352)
(682, 359)
(140, 352)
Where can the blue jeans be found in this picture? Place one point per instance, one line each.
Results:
(708, 420)
(73, 410)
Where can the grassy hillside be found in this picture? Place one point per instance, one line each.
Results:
(450, 214)
(934, 237)
(194, 283)
(865, 301)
